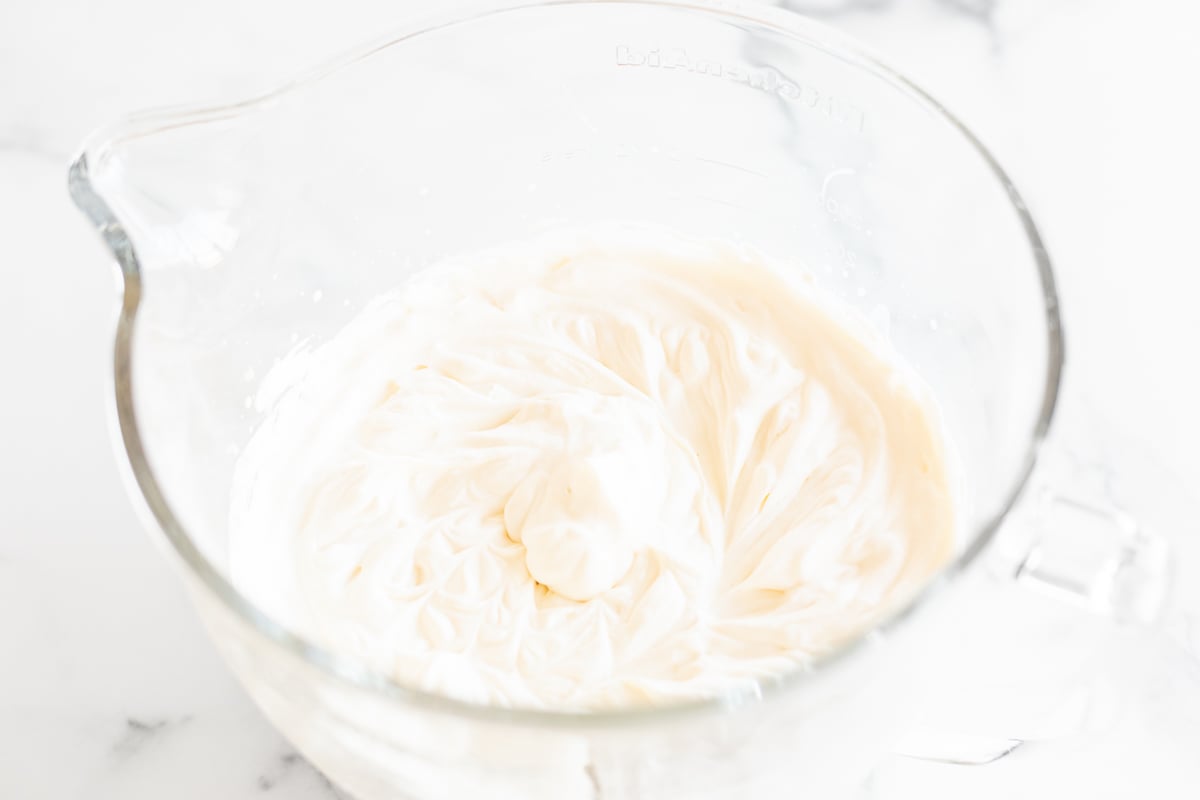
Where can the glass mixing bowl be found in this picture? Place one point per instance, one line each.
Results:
(254, 230)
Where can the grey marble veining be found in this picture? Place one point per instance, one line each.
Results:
(108, 687)
(291, 762)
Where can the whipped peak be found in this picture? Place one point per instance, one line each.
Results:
(598, 495)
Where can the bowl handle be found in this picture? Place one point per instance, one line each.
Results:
(1070, 575)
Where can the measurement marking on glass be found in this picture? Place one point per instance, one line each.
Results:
(764, 79)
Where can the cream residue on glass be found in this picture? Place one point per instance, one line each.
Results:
(594, 470)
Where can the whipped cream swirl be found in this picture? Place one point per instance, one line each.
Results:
(593, 471)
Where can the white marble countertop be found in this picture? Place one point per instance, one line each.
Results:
(108, 687)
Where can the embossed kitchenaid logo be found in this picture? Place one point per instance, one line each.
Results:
(764, 79)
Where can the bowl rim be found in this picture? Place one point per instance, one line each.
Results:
(357, 675)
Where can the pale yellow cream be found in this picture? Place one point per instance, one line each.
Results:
(592, 471)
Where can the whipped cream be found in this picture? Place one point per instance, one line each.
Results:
(591, 471)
